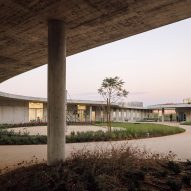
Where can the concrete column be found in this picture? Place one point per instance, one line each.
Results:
(127, 116)
(111, 114)
(122, 115)
(56, 92)
(162, 114)
(90, 113)
(131, 115)
(117, 115)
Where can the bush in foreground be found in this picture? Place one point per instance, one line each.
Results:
(116, 169)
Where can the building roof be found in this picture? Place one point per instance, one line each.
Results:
(170, 106)
(7, 96)
(90, 23)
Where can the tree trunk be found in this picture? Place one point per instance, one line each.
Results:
(107, 113)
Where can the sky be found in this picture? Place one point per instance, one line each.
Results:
(155, 65)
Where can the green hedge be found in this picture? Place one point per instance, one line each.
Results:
(31, 124)
(131, 131)
(186, 123)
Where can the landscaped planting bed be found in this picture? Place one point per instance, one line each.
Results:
(128, 132)
(186, 123)
(121, 169)
(31, 124)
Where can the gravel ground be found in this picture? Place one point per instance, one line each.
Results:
(42, 130)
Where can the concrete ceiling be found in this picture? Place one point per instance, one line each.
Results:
(90, 23)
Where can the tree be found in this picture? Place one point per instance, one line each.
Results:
(112, 90)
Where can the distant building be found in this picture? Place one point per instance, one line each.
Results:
(187, 100)
(182, 111)
(22, 109)
(16, 109)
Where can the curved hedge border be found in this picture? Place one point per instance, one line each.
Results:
(12, 138)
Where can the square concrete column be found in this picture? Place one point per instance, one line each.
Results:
(90, 113)
(117, 115)
(131, 115)
(111, 115)
(56, 92)
(122, 115)
(127, 114)
(162, 114)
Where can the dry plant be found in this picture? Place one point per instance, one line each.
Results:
(123, 168)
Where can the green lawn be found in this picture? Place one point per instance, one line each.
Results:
(141, 129)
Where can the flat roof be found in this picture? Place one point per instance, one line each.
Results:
(8, 96)
(91, 23)
(170, 106)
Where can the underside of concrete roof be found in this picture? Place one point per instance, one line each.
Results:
(90, 23)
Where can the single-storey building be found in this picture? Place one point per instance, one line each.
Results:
(181, 110)
(16, 109)
(23, 109)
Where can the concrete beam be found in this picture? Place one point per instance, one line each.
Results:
(56, 92)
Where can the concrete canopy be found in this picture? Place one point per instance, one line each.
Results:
(90, 23)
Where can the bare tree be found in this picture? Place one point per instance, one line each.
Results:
(112, 90)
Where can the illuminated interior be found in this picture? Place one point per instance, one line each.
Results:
(35, 111)
(81, 112)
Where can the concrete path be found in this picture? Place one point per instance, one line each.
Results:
(180, 144)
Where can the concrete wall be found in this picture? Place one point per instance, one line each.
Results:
(126, 114)
(14, 112)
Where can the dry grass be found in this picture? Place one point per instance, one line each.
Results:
(118, 169)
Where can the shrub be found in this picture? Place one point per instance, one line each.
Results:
(175, 185)
(12, 138)
(117, 169)
(127, 131)
(186, 123)
(174, 167)
(30, 124)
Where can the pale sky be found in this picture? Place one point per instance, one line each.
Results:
(156, 66)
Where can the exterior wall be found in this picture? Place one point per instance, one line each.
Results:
(14, 112)
(188, 116)
(186, 111)
(126, 114)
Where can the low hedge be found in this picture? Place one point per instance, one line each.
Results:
(31, 124)
(186, 123)
(12, 138)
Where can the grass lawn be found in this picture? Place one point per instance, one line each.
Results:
(142, 129)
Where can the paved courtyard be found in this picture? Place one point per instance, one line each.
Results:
(42, 130)
(180, 144)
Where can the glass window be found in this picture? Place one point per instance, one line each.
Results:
(35, 111)
(35, 105)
